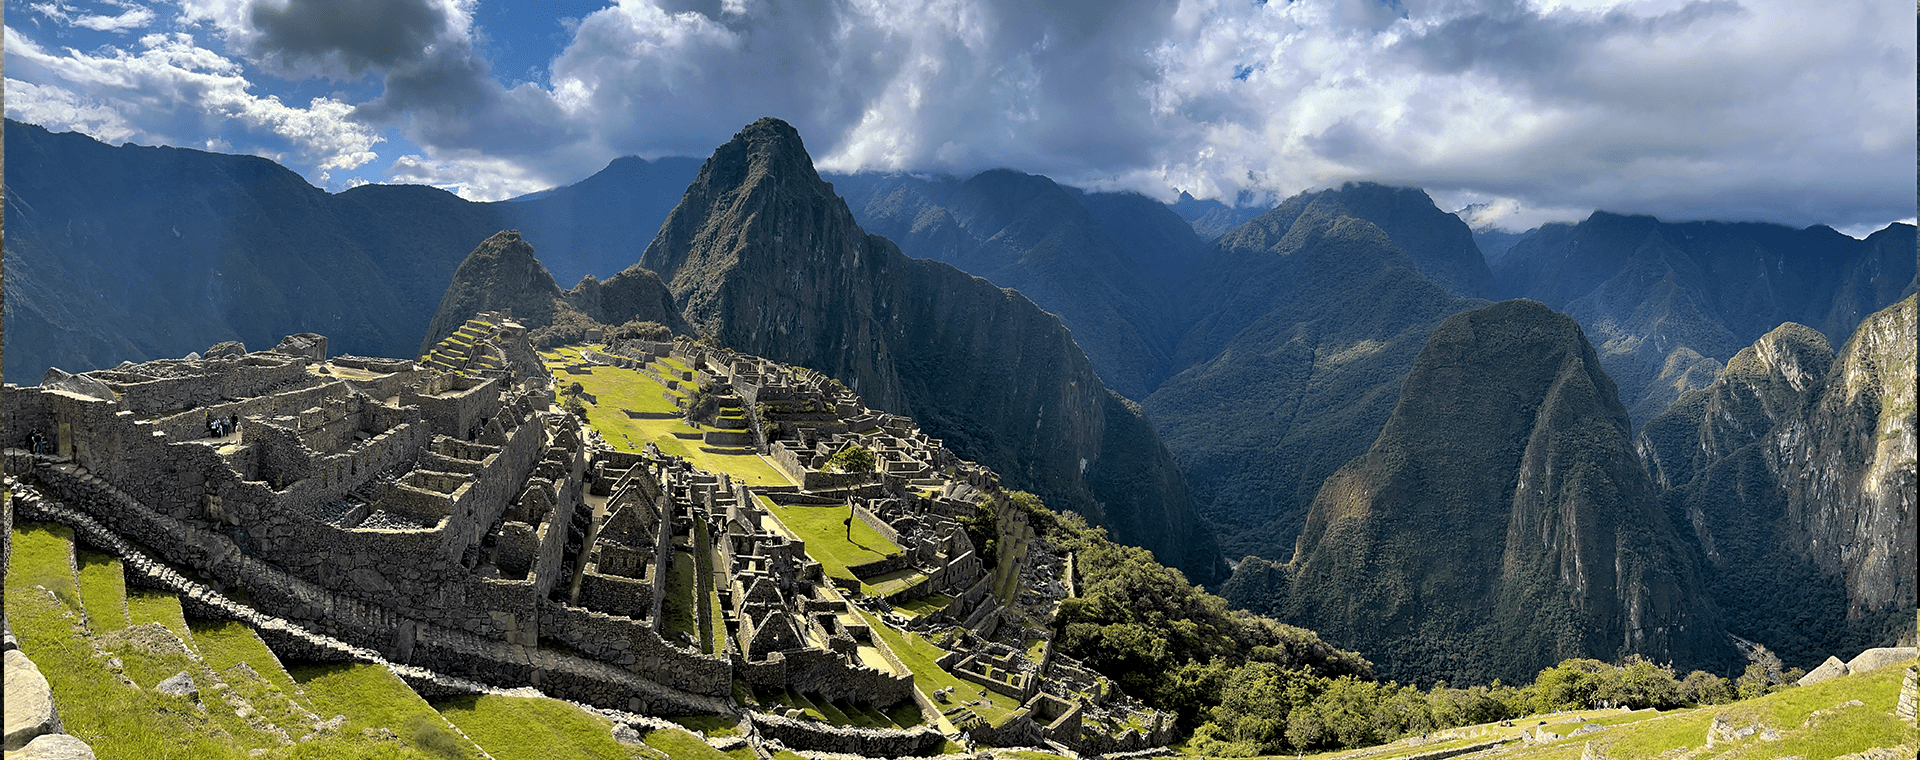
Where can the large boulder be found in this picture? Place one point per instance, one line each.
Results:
(1874, 659)
(180, 685)
(229, 349)
(59, 379)
(310, 345)
(54, 747)
(1831, 669)
(29, 702)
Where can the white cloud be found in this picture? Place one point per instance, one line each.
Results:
(133, 16)
(1687, 109)
(174, 92)
(61, 110)
(475, 178)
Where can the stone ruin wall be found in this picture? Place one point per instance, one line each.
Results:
(218, 380)
(633, 645)
(616, 595)
(418, 570)
(863, 742)
(454, 403)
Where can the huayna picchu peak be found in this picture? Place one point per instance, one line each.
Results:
(761, 255)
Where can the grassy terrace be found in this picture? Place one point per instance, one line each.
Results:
(841, 712)
(919, 655)
(925, 605)
(531, 728)
(103, 586)
(677, 612)
(825, 531)
(1812, 722)
(680, 745)
(616, 389)
(118, 720)
(712, 617)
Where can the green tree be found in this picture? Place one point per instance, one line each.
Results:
(1754, 682)
(1572, 685)
(1703, 688)
(855, 458)
(1639, 683)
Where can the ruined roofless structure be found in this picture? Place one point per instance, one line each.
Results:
(444, 514)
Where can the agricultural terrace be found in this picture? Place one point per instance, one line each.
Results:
(824, 529)
(615, 391)
(919, 655)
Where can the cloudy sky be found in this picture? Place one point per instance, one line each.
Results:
(1766, 110)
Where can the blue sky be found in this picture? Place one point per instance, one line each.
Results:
(1763, 110)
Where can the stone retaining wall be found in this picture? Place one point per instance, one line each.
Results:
(865, 742)
(635, 646)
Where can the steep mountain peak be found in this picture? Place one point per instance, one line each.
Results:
(757, 203)
(1440, 246)
(1792, 474)
(768, 148)
(501, 273)
(1509, 440)
(763, 256)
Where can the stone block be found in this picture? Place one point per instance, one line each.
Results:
(29, 702)
(179, 685)
(53, 747)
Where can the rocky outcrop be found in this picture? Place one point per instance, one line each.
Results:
(1793, 476)
(29, 702)
(503, 274)
(763, 256)
(1508, 440)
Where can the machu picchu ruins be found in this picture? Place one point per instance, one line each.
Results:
(470, 520)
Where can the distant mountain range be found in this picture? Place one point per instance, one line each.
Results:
(134, 253)
(1668, 304)
(1293, 365)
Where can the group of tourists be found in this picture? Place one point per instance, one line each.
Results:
(221, 427)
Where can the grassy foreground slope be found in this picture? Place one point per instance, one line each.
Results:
(1847, 717)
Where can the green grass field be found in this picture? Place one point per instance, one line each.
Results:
(617, 389)
(226, 643)
(148, 606)
(524, 728)
(925, 605)
(373, 698)
(40, 557)
(680, 745)
(103, 586)
(825, 531)
(1811, 721)
(122, 721)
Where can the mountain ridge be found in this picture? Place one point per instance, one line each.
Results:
(1508, 439)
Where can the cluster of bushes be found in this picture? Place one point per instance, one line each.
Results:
(1248, 685)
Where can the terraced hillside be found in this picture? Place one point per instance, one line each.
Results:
(105, 649)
